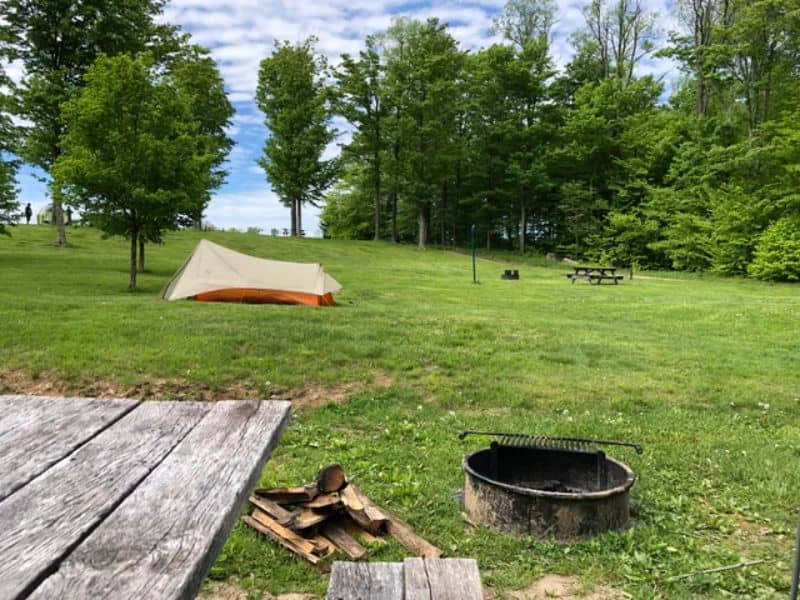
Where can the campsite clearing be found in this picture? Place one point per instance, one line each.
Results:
(699, 371)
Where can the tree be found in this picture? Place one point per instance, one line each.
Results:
(56, 41)
(360, 92)
(135, 156)
(523, 21)
(8, 189)
(295, 101)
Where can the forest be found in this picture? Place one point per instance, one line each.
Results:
(592, 161)
(595, 159)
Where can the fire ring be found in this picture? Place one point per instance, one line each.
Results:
(547, 492)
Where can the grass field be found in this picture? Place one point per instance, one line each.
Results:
(701, 371)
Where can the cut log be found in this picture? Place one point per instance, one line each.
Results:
(289, 495)
(300, 549)
(331, 479)
(324, 501)
(336, 533)
(273, 509)
(362, 510)
(305, 518)
(409, 540)
(362, 535)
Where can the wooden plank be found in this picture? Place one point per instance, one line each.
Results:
(362, 510)
(300, 545)
(443, 579)
(365, 581)
(409, 540)
(286, 543)
(43, 521)
(335, 532)
(162, 540)
(273, 509)
(38, 431)
(290, 495)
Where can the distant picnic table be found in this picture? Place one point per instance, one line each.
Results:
(595, 274)
(122, 498)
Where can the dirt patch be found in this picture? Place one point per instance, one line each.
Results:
(229, 591)
(313, 395)
(310, 395)
(565, 588)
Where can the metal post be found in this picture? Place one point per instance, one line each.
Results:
(796, 572)
(474, 239)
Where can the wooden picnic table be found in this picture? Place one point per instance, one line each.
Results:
(594, 274)
(122, 498)
(413, 579)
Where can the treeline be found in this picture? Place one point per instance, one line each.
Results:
(592, 160)
(123, 113)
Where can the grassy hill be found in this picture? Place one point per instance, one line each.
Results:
(701, 371)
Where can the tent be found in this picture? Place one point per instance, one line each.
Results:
(215, 273)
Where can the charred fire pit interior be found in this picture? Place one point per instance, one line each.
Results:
(547, 486)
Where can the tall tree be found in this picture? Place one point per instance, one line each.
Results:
(56, 41)
(295, 101)
(361, 100)
(8, 190)
(135, 156)
(523, 21)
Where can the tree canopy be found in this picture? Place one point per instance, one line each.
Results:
(143, 146)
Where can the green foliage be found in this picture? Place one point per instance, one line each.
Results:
(777, 252)
(9, 206)
(137, 158)
(295, 101)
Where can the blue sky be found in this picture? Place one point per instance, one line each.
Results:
(241, 32)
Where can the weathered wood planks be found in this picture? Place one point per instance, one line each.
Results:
(420, 579)
(38, 431)
(442, 579)
(43, 521)
(162, 539)
(366, 581)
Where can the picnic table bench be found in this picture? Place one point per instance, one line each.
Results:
(121, 498)
(414, 579)
(595, 274)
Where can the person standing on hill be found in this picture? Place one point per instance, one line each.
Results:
(28, 213)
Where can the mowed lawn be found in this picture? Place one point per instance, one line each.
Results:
(702, 371)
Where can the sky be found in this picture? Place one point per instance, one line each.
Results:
(240, 33)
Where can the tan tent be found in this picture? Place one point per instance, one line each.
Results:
(215, 273)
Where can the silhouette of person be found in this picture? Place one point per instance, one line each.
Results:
(28, 213)
(69, 215)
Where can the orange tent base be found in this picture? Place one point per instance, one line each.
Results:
(257, 296)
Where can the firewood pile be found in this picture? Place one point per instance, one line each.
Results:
(317, 519)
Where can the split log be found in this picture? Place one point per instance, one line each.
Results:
(289, 495)
(336, 533)
(259, 526)
(304, 519)
(273, 509)
(324, 501)
(331, 479)
(409, 540)
(362, 510)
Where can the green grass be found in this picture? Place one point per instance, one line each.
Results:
(701, 370)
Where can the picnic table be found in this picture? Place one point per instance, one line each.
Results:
(121, 498)
(595, 274)
(413, 579)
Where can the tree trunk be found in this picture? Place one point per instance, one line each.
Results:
(702, 95)
(134, 241)
(299, 218)
(377, 179)
(423, 229)
(141, 253)
(294, 217)
(58, 215)
(395, 237)
(523, 226)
